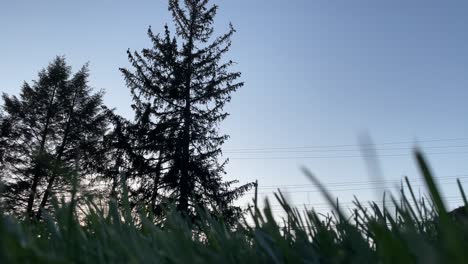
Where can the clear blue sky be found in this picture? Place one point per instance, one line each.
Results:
(316, 73)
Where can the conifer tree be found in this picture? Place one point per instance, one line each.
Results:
(113, 159)
(54, 125)
(179, 87)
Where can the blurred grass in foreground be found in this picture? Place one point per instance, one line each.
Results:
(417, 230)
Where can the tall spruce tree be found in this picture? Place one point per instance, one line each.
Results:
(179, 87)
(54, 125)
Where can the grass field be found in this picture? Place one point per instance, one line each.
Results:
(417, 231)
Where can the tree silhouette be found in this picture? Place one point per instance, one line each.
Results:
(179, 88)
(114, 158)
(54, 125)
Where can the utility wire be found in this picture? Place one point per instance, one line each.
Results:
(337, 150)
(343, 190)
(344, 156)
(357, 182)
(356, 186)
(388, 203)
(349, 145)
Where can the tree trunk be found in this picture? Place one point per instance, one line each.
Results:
(184, 177)
(37, 168)
(115, 180)
(58, 158)
(156, 184)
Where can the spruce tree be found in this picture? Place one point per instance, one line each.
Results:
(54, 125)
(179, 87)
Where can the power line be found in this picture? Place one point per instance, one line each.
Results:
(344, 156)
(358, 183)
(337, 150)
(352, 203)
(356, 186)
(349, 145)
(343, 190)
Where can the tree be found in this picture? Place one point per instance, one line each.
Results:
(56, 124)
(179, 88)
(113, 159)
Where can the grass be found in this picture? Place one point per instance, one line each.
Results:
(413, 231)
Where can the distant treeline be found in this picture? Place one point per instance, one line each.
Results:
(57, 135)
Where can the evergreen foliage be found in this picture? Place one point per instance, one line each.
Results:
(179, 87)
(56, 125)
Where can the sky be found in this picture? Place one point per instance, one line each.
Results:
(321, 78)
